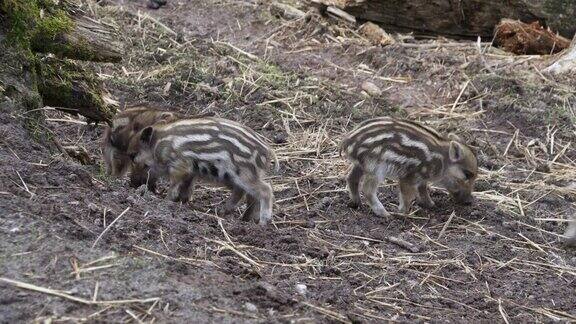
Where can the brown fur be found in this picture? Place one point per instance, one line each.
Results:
(125, 125)
(211, 149)
(411, 153)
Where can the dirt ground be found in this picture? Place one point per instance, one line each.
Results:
(299, 83)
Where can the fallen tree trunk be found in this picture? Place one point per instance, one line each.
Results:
(528, 39)
(460, 18)
(76, 36)
(60, 28)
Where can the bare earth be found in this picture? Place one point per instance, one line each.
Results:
(298, 82)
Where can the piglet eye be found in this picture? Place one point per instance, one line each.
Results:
(132, 156)
(469, 175)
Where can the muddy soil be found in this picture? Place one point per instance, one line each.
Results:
(298, 82)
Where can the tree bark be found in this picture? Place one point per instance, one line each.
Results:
(528, 39)
(460, 18)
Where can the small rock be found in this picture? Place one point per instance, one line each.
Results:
(280, 138)
(153, 5)
(375, 34)
(78, 153)
(250, 307)
(301, 289)
(156, 4)
(371, 89)
(545, 168)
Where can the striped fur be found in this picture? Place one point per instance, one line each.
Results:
(125, 125)
(403, 150)
(212, 149)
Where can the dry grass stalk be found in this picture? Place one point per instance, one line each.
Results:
(57, 293)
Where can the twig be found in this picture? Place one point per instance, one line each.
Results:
(249, 55)
(402, 243)
(53, 292)
(446, 225)
(24, 184)
(459, 96)
(503, 312)
(109, 226)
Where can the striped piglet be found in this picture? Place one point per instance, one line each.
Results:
(411, 153)
(212, 149)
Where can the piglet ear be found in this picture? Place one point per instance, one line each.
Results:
(146, 135)
(455, 151)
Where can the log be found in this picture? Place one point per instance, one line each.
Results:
(67, 86)
(459, 18)
(68, 33)
(58, 27)
(528, 39)
(566, 63)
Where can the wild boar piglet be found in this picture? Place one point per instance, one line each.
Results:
(411, 153)
(125, 125)
(211, 149)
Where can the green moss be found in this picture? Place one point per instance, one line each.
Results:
(34, 21)
(23, 15)
(52, 26)
(63, 83)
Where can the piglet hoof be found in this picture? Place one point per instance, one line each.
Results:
(184, 200)
(404, 209)
(353, 204)
(382, 213)
(173, 197)
(263, 222)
